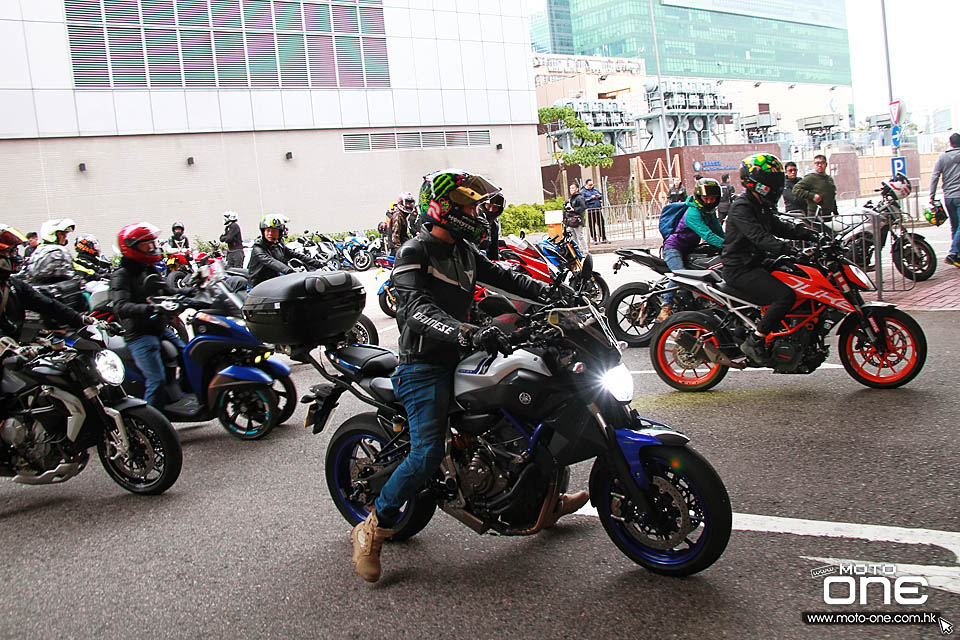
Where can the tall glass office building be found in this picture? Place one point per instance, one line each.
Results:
(550, 30)
(774, 40)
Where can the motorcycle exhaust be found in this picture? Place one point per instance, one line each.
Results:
(705, 351)
(63, 472)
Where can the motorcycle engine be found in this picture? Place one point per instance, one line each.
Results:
(29, 445)
(799, 352)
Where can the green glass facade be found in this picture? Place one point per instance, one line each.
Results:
(550, 29)
(718, 43)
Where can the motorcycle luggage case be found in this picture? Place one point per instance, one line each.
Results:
(68, 292)
(310, 308)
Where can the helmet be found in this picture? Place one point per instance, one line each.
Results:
(49, 229)
(229, 216)
(444, 196)
(132, 235)
(87, 243)
(897, 187)
(177, 225)
(762, 173)
(935, 214)
(382, 227)
(273, 221)
(707, 187)
(10, 238)
(406, 202)
(494, 207)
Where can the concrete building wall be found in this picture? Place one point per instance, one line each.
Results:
(132, 178)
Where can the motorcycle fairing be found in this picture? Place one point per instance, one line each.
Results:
(250, 374)
(815, 286)
(631, 441)
(236, 376)
(276, 367)
(192, 364)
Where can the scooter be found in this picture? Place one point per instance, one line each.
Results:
(224, 373)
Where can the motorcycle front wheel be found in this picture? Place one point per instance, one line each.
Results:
(896, 366)
(286, 398)
(914, 258)
(349, 460)
(154, 458)
(364, 332)
(388, 302)
(678, 367)
(689, 524)
(362, 260)
(632, 313)
(248, 413)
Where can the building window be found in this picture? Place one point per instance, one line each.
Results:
(123, 44)
(389, 141)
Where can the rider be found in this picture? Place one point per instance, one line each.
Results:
(234, 239)
(52, 262)
(17, 296)
(698, 223)
(144, 324)
(434, 275)
(88, 263)
(399, 229)
(178, 240)
(270, 257)
(752, 235)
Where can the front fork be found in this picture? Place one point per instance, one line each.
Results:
(118, 436)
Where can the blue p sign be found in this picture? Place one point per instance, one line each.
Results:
(898, 164)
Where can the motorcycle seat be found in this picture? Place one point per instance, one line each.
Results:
(706, 275)
(727, 288)
(363, 360)
(380, 388)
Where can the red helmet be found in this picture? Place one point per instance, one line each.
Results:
(132, 235)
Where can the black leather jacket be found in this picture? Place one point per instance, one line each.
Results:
(21, 297)
(269, 260)
(128, 293)
(232, 236)
(434, 281)
(752, 233)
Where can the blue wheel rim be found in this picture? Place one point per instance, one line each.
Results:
(343, 457)
(669, 557)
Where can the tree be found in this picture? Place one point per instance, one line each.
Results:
(591, 151)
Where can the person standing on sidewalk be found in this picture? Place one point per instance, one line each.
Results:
(593, 201)
(818, 189)
(727, 193)
(574, 215)
(234, 239)
(947, 170)
(790, 201)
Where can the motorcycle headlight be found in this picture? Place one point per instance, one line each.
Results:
(109, 366)
(619, 382)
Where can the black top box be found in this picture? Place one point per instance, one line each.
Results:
(304, 309)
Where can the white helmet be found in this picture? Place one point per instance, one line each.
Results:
(898, 187)
(406, 202)
(49, 229)
(229, 216)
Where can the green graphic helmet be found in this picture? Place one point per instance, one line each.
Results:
(706, 188)
(444, 197)
(935, 214)
(762, 173)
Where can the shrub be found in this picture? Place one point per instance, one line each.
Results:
(528, 217)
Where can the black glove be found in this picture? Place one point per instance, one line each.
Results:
(490, 339)
(559, 292)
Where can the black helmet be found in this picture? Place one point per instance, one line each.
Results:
(707, 187)
(177, 225)
(762, 173)
(444, 197)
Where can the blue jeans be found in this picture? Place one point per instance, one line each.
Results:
(425, 391)
(146, 353)
(674, 260)
(952, 206)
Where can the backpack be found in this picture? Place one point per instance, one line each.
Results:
(670, 217)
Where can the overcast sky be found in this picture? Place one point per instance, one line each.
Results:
(923, 53)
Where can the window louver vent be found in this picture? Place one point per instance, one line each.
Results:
(227, 43)
(383, 141)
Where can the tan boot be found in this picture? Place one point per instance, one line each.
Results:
(567, 504)
(367, 539)
(665, 312)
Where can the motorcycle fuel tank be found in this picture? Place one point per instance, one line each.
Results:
(519, 383)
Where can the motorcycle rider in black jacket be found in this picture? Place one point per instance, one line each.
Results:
(434, 275)
(752, 236)
(269, 257)
(16, 296)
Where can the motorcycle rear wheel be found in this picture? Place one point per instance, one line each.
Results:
(362, 260)
(632, 312)
(674, 364)
(365, 332)
(902, 362)
(688, 496)
(358, 439)
(914, 258)
(257, 406)
(155, 458)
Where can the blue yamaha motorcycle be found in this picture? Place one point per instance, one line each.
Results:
(352, 253)
(224, 373)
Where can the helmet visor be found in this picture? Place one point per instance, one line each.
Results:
(473, 190)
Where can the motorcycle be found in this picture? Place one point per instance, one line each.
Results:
(880, 346)
(386, 296)
(355, 246)
(561, 397)
(63, 396)
(633, 308)
(226, 374)
(377, 247)
(542, 261)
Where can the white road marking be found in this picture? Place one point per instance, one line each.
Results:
(945, 578)
(826, 365)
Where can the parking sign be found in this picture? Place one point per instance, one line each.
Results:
(898, 164)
